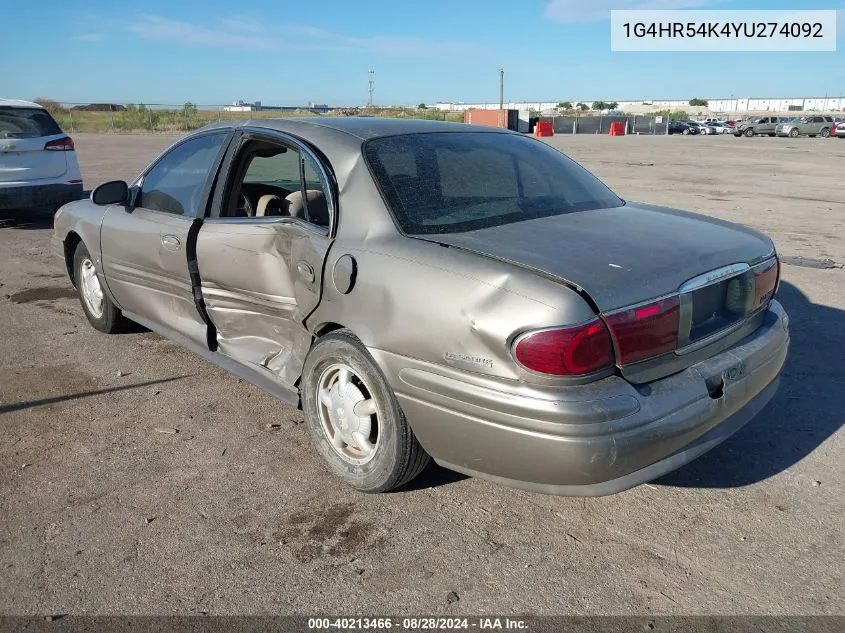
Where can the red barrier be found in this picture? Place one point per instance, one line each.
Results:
(543, 128)
(617, 128)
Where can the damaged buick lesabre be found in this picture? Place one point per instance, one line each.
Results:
(439, 291)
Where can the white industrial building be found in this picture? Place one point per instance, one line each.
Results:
(243, 106)
(733, 104)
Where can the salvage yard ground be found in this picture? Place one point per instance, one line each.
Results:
(137, 478)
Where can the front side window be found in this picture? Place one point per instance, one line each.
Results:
(447, 182)
(175, 183)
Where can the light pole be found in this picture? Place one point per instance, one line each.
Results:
(501, 88)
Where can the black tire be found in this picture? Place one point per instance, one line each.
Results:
(111, 320)
(749, 132)
(772, 134)
(825, 132)
(794, 133)
(685, 132)
(398, 456)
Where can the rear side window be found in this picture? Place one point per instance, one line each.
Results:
(447, 182)
(27, 123)
(175, 182)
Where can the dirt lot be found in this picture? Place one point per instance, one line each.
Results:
(101, 513)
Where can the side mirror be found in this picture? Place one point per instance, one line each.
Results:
(114, 192)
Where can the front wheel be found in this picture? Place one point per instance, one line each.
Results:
(825, 133)
(793, 133)
(354, 419)
(685, 132)
(101, 313)
(749, 132)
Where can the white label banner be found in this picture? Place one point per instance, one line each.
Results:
(690, 30)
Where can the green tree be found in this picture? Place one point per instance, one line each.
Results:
(676, 115)
(612, 105)
(565, 105)
(422, 106)
(583, 107)
(699, 102)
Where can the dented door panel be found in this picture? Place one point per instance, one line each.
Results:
(255, 292)
(145, 263)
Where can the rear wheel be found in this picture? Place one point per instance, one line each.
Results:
(686, 131)
(354, 419)
(749, 132)
(793, 133)
(825, 133)
(101, 313)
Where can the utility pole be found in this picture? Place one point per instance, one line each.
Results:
(501, 89)
(371, 83)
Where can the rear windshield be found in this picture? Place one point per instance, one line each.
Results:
(448, 182)
(26, 123)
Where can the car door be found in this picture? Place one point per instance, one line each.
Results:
(144, 245)
(260, 256)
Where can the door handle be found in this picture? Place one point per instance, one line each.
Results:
(305, 271)
(171, 242)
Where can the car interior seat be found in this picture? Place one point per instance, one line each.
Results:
(318, 208)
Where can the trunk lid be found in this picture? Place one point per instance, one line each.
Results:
(619, 256)
(23, 133)
(25, 160)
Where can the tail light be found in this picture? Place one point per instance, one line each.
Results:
(647, 330)
(566, 351)
(64, 144)
(766, 281)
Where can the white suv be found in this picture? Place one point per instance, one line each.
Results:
(38, 166)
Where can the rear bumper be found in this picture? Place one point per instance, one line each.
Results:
(26, 197)
(594, 439)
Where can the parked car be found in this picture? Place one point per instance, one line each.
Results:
(424, 288)
(700, 127)
(811, 126)
(757, 126)
(839, 130)
(721, 128)
(38, 166)
(681, 127)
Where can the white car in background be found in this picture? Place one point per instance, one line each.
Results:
(38, 166)
(721, 127)
(702, 127)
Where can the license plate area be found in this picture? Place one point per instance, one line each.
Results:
(713, 305)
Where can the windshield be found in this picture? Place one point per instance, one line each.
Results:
(26, 123)
(447, 182)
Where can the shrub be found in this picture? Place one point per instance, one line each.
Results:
(53, 107)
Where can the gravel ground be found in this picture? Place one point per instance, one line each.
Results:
(102, 513)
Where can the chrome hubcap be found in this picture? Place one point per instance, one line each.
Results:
(92, 292)
(349, 415)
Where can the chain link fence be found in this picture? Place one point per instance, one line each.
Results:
(600, 124)
(174, 118)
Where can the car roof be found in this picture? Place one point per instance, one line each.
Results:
(364, 127)
(18, 103)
